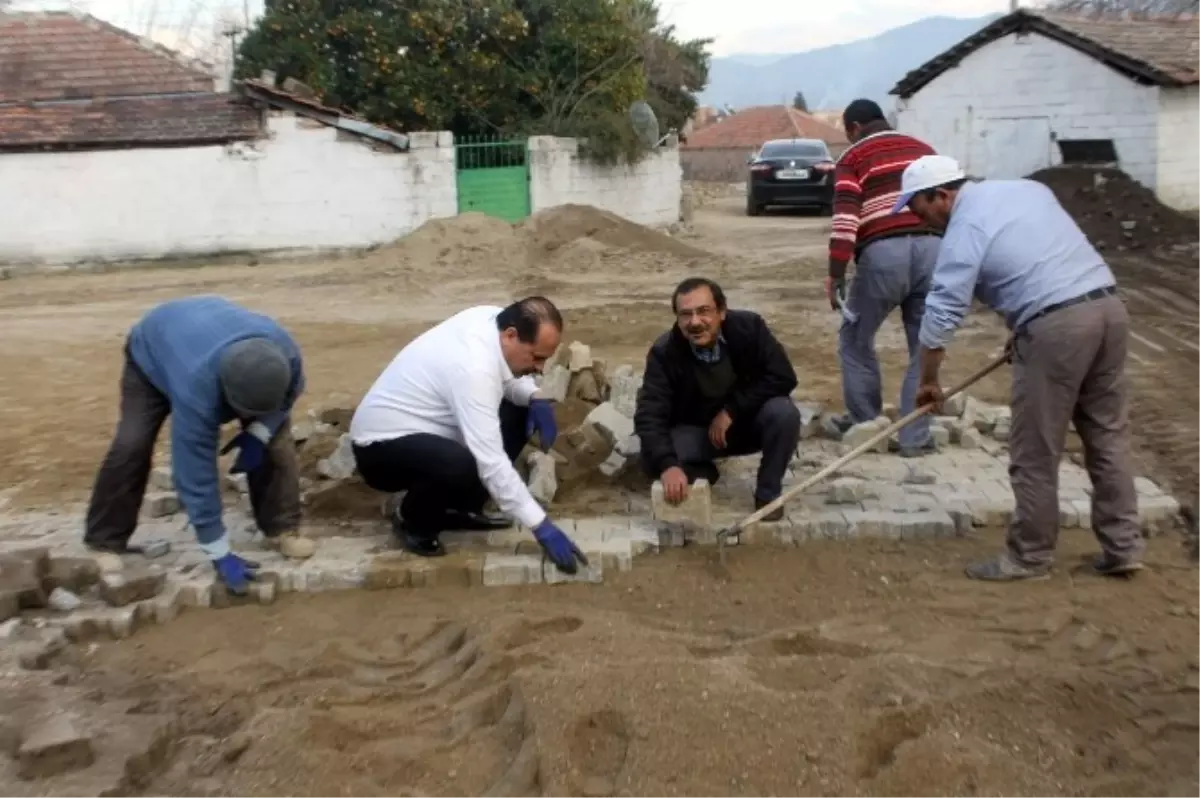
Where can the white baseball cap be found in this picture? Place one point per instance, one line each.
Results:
(928, 171)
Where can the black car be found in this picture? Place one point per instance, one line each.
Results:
(794, 172)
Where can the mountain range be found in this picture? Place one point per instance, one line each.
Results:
(831, 77)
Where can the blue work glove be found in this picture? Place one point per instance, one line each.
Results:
(235, 573)
(251, 444)
(541, 419)
(558, 547)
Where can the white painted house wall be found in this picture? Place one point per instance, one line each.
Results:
(647, 192)
(997, 110)
(1178, 149)
(307, 187)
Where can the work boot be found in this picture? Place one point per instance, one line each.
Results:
(920, 450)
(291, 544)
(1108, 565)
(1005, 569)
(774, 515)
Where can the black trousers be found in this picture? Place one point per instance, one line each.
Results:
(774, 431)
(438, 473)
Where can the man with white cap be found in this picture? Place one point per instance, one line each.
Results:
(205, 361)
(1010, 244)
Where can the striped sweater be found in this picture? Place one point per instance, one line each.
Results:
(867, 185)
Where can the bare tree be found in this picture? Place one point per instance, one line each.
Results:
(1118, 6)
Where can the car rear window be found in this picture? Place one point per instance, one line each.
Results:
(793, 149)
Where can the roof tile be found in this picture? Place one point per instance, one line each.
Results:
(750, 127)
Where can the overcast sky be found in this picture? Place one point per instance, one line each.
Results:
(738, 26)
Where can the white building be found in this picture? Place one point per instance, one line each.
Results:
(1035, 89)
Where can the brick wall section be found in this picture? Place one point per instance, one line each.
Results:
(1028, 78)
(1178, 121)
(306, 188)
(647, 192)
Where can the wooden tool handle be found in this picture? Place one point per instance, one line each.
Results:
(867, 445)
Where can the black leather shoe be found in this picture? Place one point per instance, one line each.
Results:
(460, 520)
(774, 515)
(421, 543)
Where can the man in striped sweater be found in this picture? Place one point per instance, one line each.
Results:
(894, 257)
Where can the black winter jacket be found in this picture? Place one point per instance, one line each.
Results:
(670, 395)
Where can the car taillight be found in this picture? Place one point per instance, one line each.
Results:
(824, 167)
(761, 167)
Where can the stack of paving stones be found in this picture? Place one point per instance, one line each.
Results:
(52, 591)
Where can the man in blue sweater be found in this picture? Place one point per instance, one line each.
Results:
(205, 361)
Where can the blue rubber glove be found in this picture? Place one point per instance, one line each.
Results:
(235, 573)
(541, 419)
(558, 547)
(251, 444)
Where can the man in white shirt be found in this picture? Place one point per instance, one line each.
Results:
(448, 417)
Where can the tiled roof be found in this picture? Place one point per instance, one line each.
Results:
(1155, 50)
(61, 55)
(750, 127)
(132, 121)
(71, 80)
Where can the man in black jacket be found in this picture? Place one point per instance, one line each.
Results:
(717, 384)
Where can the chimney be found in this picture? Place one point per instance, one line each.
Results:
(1012, 5)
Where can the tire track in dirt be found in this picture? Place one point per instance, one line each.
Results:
(1161, 296)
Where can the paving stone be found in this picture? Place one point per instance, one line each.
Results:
(155, 549)
(511, 569)
(162, 479)
(160, 504)
(132, 584)
(40, 646)
(340, 464)
(76, 574)
(1153, 509)
(302, 431)
(623, 389)
(970, 438)
(1146, 488)
(63, 600)
(580, 356)
(585, 387)
(165, 606)
(613, 555)
(696, 509)
(1068, 516)
(611, 422)
(925, 524)
(1003, 429)
(940, 436)
(824, 525)
(955, 405)
(121, 622)
(543, 480)
(630, 446)
(52, 746)
(84, 625)
(671, 536)
(810, 419)
(873, 524)
(554, 382)
(849, 491)
(1083, 513)
(919, 476)
(452, 571)
(197, 592)
(860, 433)
(614, 465)
(592, 573)
(22, 575)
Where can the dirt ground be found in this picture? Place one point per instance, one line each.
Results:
(839, 668)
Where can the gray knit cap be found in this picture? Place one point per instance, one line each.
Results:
(255, 375)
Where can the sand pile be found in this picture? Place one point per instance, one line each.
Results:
(1115, 211)
(577, 235)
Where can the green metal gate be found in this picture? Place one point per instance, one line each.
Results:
(493, 176)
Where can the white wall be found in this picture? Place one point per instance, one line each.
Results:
(995, 111)
(1178, 123)
(307, 187)
(647, 192)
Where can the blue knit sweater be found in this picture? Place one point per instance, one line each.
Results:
(178, 346)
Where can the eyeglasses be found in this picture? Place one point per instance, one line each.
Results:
(683, 314)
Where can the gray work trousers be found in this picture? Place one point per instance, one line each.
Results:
(890, 273)
(1070, 366)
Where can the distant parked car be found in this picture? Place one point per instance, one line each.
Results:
(793, 172)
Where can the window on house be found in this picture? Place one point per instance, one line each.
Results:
(1087, 151)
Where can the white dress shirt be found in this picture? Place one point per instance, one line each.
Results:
(449, 382)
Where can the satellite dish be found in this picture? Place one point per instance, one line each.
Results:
(645, 123)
